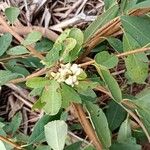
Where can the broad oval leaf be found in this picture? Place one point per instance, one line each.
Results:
(12, 14)
(136, 64)
(5, 41)
(107, 60)
(100, 123)
(56, 133)
(124, 132)
(32, 38)
(115, 115)
(69, 95)
(38, 130)
(17, 50)
(37, 82)
(52, 97)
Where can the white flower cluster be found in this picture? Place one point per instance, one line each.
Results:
(67, 73)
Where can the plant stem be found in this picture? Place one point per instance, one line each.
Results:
(10, 142)
(19, 38)
(87, 126)
(140, 50)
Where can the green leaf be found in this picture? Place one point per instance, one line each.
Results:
(110, 82)
(6, 76)
(2, 146)
(69, 95)
(143, 104)
(12, 14)
(44, 45)
(5, 41)
(100, 124)
(15, 67)
(107, 60)
(13, 126)
(74, 146)
(38, 105)
(143, 98)
(56, 133)
(144, 4)
(53, 55)
(125, 146)
(38, 130)
(126, 5)
(63, 36)
(100, 21)
(17, 50)
(137, 68)
(89, 148)
(76, 34)
(32, 37)
(124, 132)
(109, 3)
(115, 115)
(137, 27)
(36, 91)
(68, 45)
(116, 44)
(52, 97)
(37, 82)
(43, 147)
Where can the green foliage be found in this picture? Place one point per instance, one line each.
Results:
(6, 76)
(5, 41)
(2, 146)
(12, 14)
(55, 133)
(38, 131)
(100, 124)
(73, 96)
(65, 81)
(17, 50)
(110, 82)
(101, 20)
(32, 38)
(52, 97)
(115, 115)
(107, 60)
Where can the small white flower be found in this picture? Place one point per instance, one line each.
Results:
(74, 78)
(67, 73)
(69, 81)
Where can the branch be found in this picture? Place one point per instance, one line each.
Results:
(10, 142)
(111, 28)
(87, 126)
(136, 51)
(19, 38)
(26, 30)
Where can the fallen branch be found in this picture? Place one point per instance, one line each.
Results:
(19, 38)
(112, 28)
(136, 51)
(87, 126)
(10, 142)
(22, 31)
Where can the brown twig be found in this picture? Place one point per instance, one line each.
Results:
(19, 38)
(10, 142)
(87, 126)
(112, 28)
(26, 30)
(136, 51)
